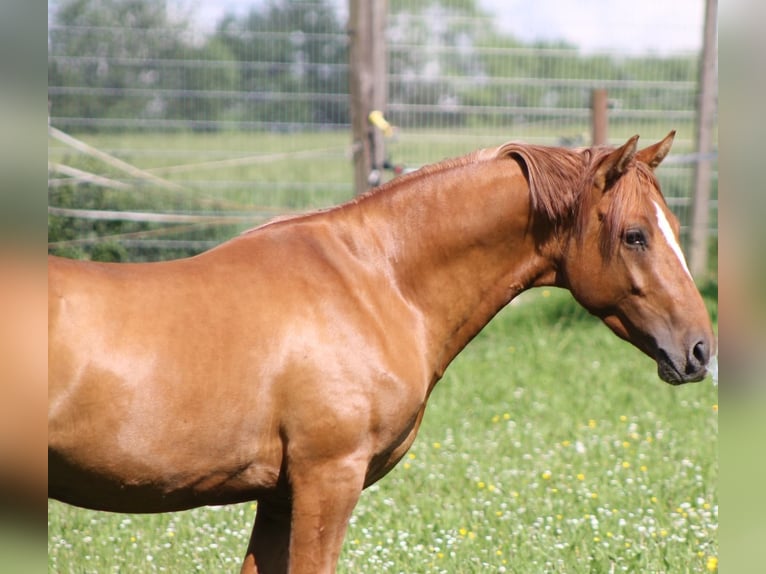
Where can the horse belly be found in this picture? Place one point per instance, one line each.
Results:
(147, 418)
(144, 439)
(142, 457)
(75, 483)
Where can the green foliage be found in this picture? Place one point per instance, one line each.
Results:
(285, 63)
(285, 48)
(465, 61)
(125, 59)
(113, 46)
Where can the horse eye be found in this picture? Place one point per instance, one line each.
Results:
(635, 238)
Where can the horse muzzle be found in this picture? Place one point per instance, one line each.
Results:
(690, 366)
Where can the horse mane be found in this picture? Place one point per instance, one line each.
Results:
(555, 177)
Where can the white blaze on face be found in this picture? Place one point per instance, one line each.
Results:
(670, 237)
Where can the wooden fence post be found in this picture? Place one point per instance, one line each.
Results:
(599, 117)
(706, 108)
(379, 75)
(367, 84)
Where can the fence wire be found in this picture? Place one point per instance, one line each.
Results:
(248, 116)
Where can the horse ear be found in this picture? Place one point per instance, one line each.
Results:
(615, 164)
(654, 154)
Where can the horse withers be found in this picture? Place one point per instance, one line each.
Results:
(292, 364)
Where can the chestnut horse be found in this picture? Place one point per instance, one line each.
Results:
(292, 364)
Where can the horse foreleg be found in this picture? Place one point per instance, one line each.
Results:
(267, 552)
(323, 498)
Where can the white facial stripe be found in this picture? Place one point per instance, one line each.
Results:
(667, 231)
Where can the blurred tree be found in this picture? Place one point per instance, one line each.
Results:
(122, 59)
(437, 45)
(289, 52)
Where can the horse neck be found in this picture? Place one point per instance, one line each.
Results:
(459, 245)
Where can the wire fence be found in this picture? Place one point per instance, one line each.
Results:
(208, 130)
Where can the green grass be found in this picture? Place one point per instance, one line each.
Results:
(549, 446)
(193, 161)
(257, 175)
(288, 181)
(272, 181)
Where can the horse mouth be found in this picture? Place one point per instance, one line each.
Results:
(669, 372)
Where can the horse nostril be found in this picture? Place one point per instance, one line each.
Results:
(701, 353)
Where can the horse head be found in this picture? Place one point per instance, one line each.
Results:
(624, 264)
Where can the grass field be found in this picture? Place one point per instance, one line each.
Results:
(549, 446)
(243, 171)
(253, 176)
